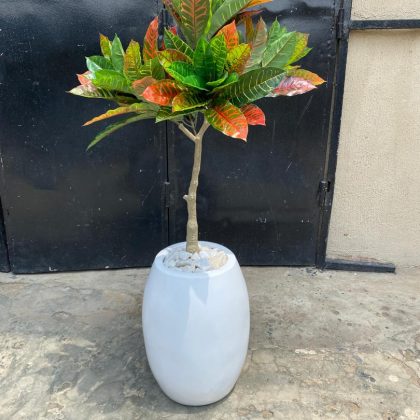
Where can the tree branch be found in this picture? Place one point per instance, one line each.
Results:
(187, 132)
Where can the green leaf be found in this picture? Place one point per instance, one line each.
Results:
(194, 17)
(105, 44)
(300, 47)
(132, 61)
(188, 100)
(258, 45)
(252, 86)
(166, 114)
(117, 54)
(97, 62)
(157, 71)
(169, 56)
(227, 10)
(203, 61)
(232, 78)
(219, 51)
(215, 4)
(184, 73)
(112, 80)
(175, 42)
(116, 126)
(219, 81)
(279, 51)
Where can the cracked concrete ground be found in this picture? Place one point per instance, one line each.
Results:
(323, 345)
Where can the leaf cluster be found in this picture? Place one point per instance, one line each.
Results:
(216, 61)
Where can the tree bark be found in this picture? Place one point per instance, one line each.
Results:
(191, 197)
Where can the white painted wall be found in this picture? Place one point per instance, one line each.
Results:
(376, 209)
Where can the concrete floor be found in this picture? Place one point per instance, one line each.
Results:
(323, 345)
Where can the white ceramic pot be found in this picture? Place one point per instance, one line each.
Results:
(196, 329)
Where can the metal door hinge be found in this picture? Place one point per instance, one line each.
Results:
(341, 25)
(324, 189)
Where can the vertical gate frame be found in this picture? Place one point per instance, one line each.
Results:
(343, 26)
(343, 15)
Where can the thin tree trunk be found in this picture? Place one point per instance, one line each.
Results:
(191, 197)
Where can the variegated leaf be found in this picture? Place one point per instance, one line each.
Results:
(150, 40)
(194, 16)
(112, 80)
(85, 78)
(253, 114)
(228, 119)
(173, 7)
(279, 51)
(185, 73)
(139, 86)
(258, 45)
(97, 62)
(137, 107)
(187, 100)
(252, 86)
(173, 41)
(105, 44)
(166, 114)
(237, 58)
(254, 3)
(291, 86)
(116, 126)
(162, 92)
(169, 56)
(219, 52)
(231, 35)
(227, 10)
(132, 60)
(300, 48)
(312, 78)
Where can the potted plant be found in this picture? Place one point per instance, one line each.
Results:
(207, 71)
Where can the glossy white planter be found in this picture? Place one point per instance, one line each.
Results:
(196, 329)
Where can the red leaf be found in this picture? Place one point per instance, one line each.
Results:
(253, 114)
(228, 119)
(150, 40)
(140, 85)
(254, 3)
(231, 35)
(162, 92)
(291, 86)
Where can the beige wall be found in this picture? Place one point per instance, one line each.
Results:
(386, 9)
(376, 210)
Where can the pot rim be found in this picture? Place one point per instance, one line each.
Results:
(158, 262)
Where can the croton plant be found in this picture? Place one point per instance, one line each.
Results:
(215, 61)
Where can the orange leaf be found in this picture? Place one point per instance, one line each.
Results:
(228, 119)
(231, 35)
(140, 85)
(254, 3)
(253, 114)
(313, 78)
(84, 79)
(150, 40)
(162, 92)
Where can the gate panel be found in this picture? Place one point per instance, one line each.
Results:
(66, 209)
(261, 198)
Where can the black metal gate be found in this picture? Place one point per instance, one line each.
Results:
(117, 206)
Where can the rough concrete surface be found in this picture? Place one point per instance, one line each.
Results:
(323, 345)
(386, 9)
(376, 209)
